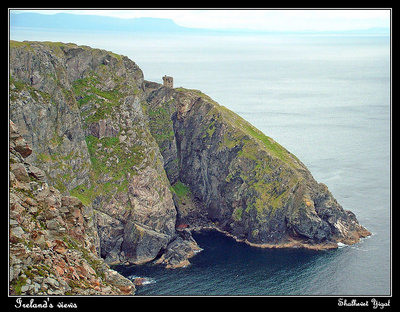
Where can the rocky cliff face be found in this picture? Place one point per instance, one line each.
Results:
(240, 181)
(80, 109)
(154, 163)
(53, 240)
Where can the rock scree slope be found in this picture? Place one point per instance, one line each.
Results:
(53, 240)
(153, 163)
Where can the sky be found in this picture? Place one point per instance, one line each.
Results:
(260, 19)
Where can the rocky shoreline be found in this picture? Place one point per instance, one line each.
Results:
(292, 243)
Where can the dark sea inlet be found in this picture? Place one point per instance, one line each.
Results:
(226, 268)
(326, 98)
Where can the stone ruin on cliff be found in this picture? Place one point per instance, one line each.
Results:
(168, 81)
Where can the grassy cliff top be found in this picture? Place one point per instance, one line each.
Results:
(241, 130)
(56, 46)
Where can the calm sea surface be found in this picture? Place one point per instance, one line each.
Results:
(327, 100)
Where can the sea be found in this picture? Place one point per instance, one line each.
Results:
(327, 99)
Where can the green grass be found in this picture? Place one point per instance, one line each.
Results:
(160, 124)
(237, 214)
(99, 156)
(257, 162)
(34, 93)
(209, 129)
(239, 129)
(180, 189)
(102, 102)
(103, 163)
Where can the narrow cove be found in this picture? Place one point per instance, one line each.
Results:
(225, 267)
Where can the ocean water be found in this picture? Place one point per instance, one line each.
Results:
(327, 100)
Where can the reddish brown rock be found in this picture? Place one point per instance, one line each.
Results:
(50, 241)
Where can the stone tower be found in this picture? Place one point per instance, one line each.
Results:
(168, 81)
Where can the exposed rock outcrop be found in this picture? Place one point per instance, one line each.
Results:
(240, 181)
(53, 239)
(45, 111)
(80, 109)
(136, 166)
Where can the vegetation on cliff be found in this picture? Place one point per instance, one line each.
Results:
(53, 240)
(92, 140)
(152, 163)
(245, 183)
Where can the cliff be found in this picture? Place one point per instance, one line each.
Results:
(154, 163)
(80, 110)
(53, 241)
(240, 181)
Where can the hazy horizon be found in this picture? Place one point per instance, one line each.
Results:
(254, 21)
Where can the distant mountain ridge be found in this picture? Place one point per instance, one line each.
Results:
(93, 22)
(67, 21)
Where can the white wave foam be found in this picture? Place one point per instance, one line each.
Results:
(149, 281)
(146, 280)
(341, 245)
